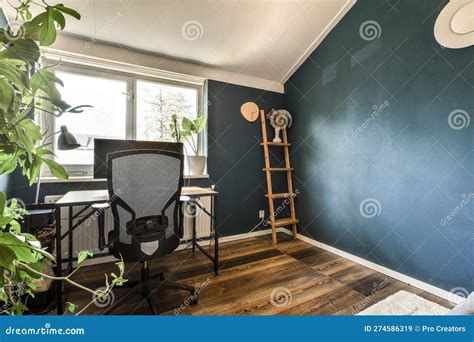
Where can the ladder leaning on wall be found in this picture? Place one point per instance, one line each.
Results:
(278, 222)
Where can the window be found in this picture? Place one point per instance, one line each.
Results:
(124, 106)
(106, 119)
(156, 102)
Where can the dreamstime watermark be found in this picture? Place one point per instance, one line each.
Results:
(103, 117)
(462, 292)
(370, 207)
(103, 298)
(192, 30)
(17, 203)
(377, 287)
(14, 30)
(191, 209)
(46, 330)
(110, 21)
(466, 199)
(281, 296)
(459, 119)
(370, 30)
(101, 210)
(377, 110)
(199, 288)
(281, 28)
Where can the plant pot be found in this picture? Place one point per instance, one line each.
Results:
(196, 165)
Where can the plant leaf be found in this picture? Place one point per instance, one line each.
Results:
(57, 17)
(200, 123)
(47, 30)
(6, 94)
(67, 10)
(3, 201)
(20, 248)
(71, 307)
(77, 109)
(83, 255)
(57, 170)
(16, 76)
(46, 81)
(25, 49)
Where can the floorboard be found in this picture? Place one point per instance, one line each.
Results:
(256, 278)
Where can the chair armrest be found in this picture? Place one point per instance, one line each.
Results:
(184, 198)
(100, 206)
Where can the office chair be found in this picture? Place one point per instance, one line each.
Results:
(144, 188)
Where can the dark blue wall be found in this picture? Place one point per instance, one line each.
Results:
(235, 159)
(371, 122)
(235, 156)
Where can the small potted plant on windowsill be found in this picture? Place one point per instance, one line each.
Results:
(186, 131)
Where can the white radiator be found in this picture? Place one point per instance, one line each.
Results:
(86, 236)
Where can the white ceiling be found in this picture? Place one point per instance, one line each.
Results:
(266, 39)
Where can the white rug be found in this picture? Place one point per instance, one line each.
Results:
(406, 304)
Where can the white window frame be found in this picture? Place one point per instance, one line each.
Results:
(131, 74)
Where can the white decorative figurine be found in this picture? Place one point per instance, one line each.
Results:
(279, 119)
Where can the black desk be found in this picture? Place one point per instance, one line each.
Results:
(87, 198)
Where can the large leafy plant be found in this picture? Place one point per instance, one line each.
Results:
(25, 90)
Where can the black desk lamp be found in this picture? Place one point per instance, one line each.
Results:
(66, 142)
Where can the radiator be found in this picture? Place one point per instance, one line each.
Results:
(86, 236)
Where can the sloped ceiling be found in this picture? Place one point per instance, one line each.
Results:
(262, 39)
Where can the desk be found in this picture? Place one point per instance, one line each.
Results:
(87, 198)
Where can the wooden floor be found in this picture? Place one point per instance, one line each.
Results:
(257, 278)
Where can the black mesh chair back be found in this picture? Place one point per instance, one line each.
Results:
(144, 188)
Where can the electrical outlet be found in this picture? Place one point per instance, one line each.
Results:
(261, 214)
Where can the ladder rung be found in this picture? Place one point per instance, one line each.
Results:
(281, 195)
(279, 169)
(271, 143)
(285, 222)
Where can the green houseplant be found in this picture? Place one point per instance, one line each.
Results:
(186, 130)
(25, 90)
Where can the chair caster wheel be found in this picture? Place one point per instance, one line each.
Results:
(193, 299)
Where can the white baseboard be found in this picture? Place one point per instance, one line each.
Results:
(384, 270)
(245, 235)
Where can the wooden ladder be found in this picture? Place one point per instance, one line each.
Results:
(281, 222)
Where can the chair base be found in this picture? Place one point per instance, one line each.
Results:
(147, 285)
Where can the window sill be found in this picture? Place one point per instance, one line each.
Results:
(82, 179)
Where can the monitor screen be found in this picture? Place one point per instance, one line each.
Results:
(102, 147)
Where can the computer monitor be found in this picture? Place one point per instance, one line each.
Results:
(102, 147)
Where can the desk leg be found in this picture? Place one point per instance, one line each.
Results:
(193, 210)
(216, 236)
(101, 222)
(59, 261)
(181, 219)
(70, 245)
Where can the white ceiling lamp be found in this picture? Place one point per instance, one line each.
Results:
(454, 27)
